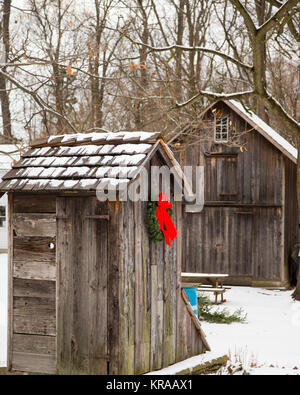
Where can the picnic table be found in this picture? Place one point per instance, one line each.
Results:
(215, 280)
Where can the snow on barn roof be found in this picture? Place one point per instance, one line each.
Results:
(270, 134)
(84, 162)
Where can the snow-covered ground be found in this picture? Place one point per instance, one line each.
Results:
(270, 340)
(3, 309)
(268, 343)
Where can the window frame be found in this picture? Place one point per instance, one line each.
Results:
(226, 128)
(3, 218)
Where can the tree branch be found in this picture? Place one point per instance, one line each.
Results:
(215, 96)
(37, 99)
(196, 49)
(274, 19)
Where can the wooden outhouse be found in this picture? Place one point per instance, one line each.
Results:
(249, 223)
(89, 291)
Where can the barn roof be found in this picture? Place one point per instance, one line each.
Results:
(263, 128)
(84, 162)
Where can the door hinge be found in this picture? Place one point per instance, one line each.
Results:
(97, 217)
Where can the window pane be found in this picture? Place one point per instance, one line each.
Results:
(2, 216)
(221, 129)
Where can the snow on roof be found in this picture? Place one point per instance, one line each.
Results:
(270, 134)
(84, 162)
(123, 136)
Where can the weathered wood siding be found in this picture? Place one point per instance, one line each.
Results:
(291, 219)
(33, 287)
(241, 229)
(155, 326)
(233, 240)
(91, 294)
(156, 329)
(82, 285)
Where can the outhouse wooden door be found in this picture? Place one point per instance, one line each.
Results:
(32, 285)
(81, 255)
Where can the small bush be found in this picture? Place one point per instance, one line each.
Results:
(220, 315)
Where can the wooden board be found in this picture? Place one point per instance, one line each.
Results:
(34, 344)
(127, 307)
(34, 248)
(113, 265)
(35, 204)
(34, 316)
(34, 288)
(39, 363)
(34, 225)
(35, 270)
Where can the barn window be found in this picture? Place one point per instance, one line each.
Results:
(2, 216)
(227, 177)
(221, 129)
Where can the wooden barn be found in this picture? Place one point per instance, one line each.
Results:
(250, 218)
(89, 292)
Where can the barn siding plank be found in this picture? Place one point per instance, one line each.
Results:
(139, 300)
(96, 239)
(34, 288)
(127, 307)
(146, 281)
(65, 289)
(34, 248)
(80, 234)
(114, 229)
(10, 203)
(34, 344)
(38, 363)
(43, 225)
(34, 270)
(36, 204)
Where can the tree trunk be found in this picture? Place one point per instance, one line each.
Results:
(4, 98)
(179, 41)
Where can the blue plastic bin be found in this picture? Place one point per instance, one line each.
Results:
(191, 293)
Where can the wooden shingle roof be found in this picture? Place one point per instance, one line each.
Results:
(81, 162)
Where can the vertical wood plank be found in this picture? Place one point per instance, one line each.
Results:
(146, 284)
(10, 204)
(64, 288)
(127, 307)
(114, 228)
(96, 243)
(139, 300)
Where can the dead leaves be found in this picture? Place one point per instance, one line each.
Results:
(136, 66)
(69, 70)
(243, 148)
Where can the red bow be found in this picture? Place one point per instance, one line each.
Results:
(165, 223)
